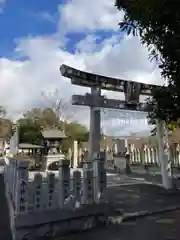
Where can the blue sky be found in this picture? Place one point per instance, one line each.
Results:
(22, 18)
(38, 36)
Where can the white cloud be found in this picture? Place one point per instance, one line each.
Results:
(83, 15)
(87, 45)
(126, 59)
(23, 81)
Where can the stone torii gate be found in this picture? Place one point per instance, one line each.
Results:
(132, 91)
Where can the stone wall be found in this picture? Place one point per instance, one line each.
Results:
(51, 207)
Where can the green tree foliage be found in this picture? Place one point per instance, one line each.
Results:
(31, 125)
(42, 117)
(29, 131)
(157, 22)
(77, 132)
(172, 127)
(74, 131)
(5, 124)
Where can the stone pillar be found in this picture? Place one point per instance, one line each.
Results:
(75, 154)
(157, 156)
(133, 156)
(52, 201)
(64, 181)
(37, 194)
(152, 156)
(14, 141)
(70, 157)
(100, 182)
(121, 146)
(128, 164)
(148, 155)
(128, 146)
(14, 187)
(115, 148)
(178, 154)
(77, 186)
(173, 154)
(145, 155)
(95, 126)
(80, 158)
(138, 155)
(164, 158)
(21, 197)
(87, 184)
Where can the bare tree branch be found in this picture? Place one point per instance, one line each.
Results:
(62, 107)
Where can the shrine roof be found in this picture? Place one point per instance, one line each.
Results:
(53, 134)
(29, 146)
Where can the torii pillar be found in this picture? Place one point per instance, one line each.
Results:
(95, 125)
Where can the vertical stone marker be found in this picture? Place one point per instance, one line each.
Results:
(75, 154)
(64, 181)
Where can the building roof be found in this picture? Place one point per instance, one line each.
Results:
(53, 133)
(29, 146)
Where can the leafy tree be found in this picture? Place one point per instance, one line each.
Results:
(157, 22)
(5, 128)
(65, 112)
(74, 131)
(77, 132)
(5, 124)
(42, 117)
(172, 127)
(31, 125)
(29, 131)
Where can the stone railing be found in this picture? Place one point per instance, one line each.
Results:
(150, 156)
(52, 206)
(144, 156)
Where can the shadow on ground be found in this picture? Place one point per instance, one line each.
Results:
(141, 197)
(151, 173)
(159, 227)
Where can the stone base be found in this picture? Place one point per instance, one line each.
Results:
(56, 222)
(58, 229)
(51, 158)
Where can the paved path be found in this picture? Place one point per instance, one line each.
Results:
(115, 180)
(152, 175)
(141, 197)
(160, 227)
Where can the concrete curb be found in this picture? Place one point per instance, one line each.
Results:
(133, 216)
(141, 214)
